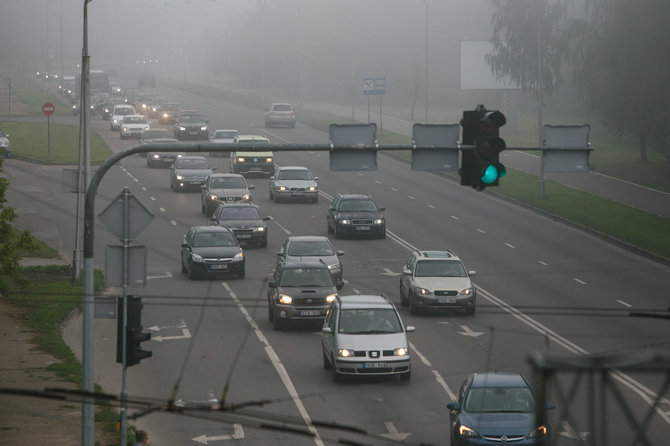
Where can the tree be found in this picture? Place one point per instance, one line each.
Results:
(11, 241)
(621, 52)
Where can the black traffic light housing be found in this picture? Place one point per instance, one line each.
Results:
(134, 334)
(481, 167)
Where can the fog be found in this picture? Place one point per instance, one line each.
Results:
(296, 49)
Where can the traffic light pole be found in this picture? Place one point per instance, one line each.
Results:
(124, 332)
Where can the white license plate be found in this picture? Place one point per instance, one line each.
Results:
(374, 365)
(297, 194)
(310, 313)
(218, 267)
(362, 228)
(243, 236)
(446, 300)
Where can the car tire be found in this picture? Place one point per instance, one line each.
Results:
(326, 362)
(403, 299)
(191, 274)
(264, 243)
(271, 196)
(336, 233)
(277, 324)
(328, 228)
(337, 377)
(406, 376)
(315, 199)
(271, 313)
(203, 208)
(383, 234)
(241, 275)
(184, 270)
(412, 307)
(471, 311)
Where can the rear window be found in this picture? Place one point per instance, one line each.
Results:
(282, 107)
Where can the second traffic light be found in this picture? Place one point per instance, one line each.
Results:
(133, 330)
(481, 167)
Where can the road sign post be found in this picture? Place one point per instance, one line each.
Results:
(48, 109)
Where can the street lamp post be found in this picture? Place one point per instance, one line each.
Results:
(425, 2)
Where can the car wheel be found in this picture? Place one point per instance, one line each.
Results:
(412, 306)
(241, 275)
(183, 267)
(271, 313)
(264, 243)
(275, 198)
(337, 377)
(336, 233)
(315, 199)
(328, 228)
(191, 273)
(470, 311)
(326, 362)
(403, 299)
(271, 196)
(277, 323)
(383, 233)
(203, 208)
(406, 376)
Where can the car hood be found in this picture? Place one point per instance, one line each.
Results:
(316, 292)
(136, 125)
(217, 251)
(328, 260)
(229, 192)
(443, 283)
(291, 184)
(499, 423)
(241, 224)
(376, 341)
(194, 172)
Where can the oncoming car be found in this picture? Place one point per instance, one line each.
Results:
(223, 188)
(244, 220)
(246, 162)
(363, 335)
(494, 409)
(132, 126)
(211, 251)
(293, 183)
(189, 172)
(355, 215)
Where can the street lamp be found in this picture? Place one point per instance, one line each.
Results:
(425, 3)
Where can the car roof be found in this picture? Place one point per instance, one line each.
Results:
(226, 130)
(211, 229)
(194, 156)
(355, 196)
(251, 138)
(303, 262)
(307, 238)
(494, 379)
(292, 168)
(436, 255)
(364, 301)
(226, 175)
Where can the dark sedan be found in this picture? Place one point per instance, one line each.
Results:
(245, 221)
(496, 408)
(211, 251)
(355, 215)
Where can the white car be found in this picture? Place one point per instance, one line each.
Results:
(118, 113)
(293, 183)
(132, 126)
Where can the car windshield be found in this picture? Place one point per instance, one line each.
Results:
(281, 107)
(499, 399)
(313, 248)
(369, 321)
(214, 239)
(134, 120)
(124, 111)
(171, 107)
(192, 118)
(439, 268)
(316, 277)
(237, 213)
(358, 206)
(228, 183)
(224, 135)
(193, 163)
(285, 174)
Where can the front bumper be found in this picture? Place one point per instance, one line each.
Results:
(191, 135)
(361, 229)
(211, 267)
(366, 366)
(300, 313)
(445, 302)
(297, 195)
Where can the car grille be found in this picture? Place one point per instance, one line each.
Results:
(230, 199)
(445, 292)
(361, 221)
(372, 353)
(503, 438)
(195, 178)
(218, 260)
(238, 231)
(297, 189)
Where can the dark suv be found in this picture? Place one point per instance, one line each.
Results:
(301, 290)
(191, 125)
(355, 214)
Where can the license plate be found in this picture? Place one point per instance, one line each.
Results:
(362, 228)
(218, 267)
(310, 313)
(446, 300)
(297, 194)
(374, 365)
(243, 236)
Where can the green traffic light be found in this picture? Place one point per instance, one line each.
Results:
(490, 174)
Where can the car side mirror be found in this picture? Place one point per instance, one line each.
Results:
(406, 271)
(184, 245)
(339, 284)
(251, 187)
(340, 253)
(213, 221)
(267, 218)
(214, 168)
(382, 209)
(410, 329)
(272, 177)
(326, 330)
(549, 405)
(272, 285)
(472, 273)
(453, 406)
(316, 178)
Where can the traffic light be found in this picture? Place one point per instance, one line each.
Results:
(133, 329)
(481, 167)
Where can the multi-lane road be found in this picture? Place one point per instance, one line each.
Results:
(542, 286)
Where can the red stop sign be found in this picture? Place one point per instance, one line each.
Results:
(48, 109)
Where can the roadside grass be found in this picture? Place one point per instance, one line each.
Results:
(38, 249)
(31, 140)
(32, 94)
(46, 297)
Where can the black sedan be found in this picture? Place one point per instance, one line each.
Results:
(244, 220)
(496, 408)
(355, 215)
(211, 251)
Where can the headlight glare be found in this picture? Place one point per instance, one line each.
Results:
(345, 353)
(285, 299)
(196, 257)
(331, 297)
(402, 351)
(466, 432)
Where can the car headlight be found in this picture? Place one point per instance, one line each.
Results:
(345, 353)
(335, 266)
(179, 155)
(116, 121)
(196, 257)
(182, 129)
(466, 292)
(146, 128)
(180, 177)
(125, 129)
(259, 229)
(424, 291)
(311, 188)
(285, 299)
(238, 257)
(401, 351)
(282, 188)
(240, 159)
(155, 156)
(246, 197)
(378, 221)
(345, 221)
(538, 432)
(466, 432)
(213, 197)
(165, 115)
(268, 160)
(203, 128)
(331, 297)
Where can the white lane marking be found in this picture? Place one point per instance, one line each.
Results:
(625, 304)
(378, 182)
(542, 263)
(152, 198)
(393, 433)
(443, 383)
(162, 209)
(481, 230)
(411, 197)
(453, 217)
(509, 245)
(144, 188)
(430, 206)
(280, 226)
(174, 223)
(581, 282)
(394, 189)
(355, 291)
(279, 367)
(238, 435)
(423, 359)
